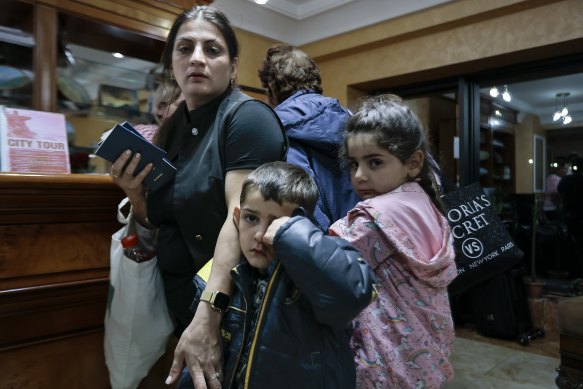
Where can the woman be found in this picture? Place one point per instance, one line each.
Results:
(215, 138)
(313, 123)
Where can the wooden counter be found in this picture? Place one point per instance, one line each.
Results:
(55, 233)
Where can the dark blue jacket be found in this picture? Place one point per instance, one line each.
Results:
(317, 285)
(313, 124)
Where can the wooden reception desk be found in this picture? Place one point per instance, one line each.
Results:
(55, 233)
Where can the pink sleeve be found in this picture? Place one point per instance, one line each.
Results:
(359, 228)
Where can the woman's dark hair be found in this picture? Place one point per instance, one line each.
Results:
(398, 130)
(221, 22)
(208, 14)
(286, 70)
(282, 182)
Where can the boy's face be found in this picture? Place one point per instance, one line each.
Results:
(252, 220)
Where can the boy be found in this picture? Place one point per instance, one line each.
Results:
(296, 290)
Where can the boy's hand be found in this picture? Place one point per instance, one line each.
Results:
(272, 230)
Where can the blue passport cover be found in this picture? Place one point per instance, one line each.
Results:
(123, 137)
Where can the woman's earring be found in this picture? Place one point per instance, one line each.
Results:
(171, 77)
(232, 82)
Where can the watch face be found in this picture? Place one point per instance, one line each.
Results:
(222, 301)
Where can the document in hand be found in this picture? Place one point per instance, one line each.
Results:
(123, 137)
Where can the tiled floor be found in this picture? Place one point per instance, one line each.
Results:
(480, 365)
(485, 362)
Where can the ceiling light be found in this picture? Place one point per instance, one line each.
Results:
(261, 2)
(506, 94)
(497, 112)
(494, 92)
(117, 55)
(562, 113)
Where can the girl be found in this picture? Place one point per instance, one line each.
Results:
(402, 339)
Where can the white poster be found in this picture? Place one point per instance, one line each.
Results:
(33, 142)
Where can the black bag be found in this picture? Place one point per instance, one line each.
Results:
(482, 242)
(500, 306)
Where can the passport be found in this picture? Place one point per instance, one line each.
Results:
(123, 137)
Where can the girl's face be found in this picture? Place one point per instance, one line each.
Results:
(252, 220)
(165, 109)
(200, 62)
(374, 170)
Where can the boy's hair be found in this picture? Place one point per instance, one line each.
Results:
(396, 129)
(286, 70)
(282, 182)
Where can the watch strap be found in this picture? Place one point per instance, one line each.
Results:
(218, 301)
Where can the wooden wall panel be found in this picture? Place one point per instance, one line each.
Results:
(65, 248)
(153, 18)
(33, 198)
(34, 314)
(55, 234)
(45, 58)
(55, 228)
(69, 362)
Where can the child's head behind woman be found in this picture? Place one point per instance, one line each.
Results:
(385, 146)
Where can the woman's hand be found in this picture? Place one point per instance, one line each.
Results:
(124, 177)
(122, 173)
(200, 348)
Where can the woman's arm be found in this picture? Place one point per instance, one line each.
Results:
(200, 345)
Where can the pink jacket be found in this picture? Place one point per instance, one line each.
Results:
(403, 338)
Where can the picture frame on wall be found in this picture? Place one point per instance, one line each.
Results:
(118, 98)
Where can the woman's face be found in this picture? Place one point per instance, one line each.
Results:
(200, 62)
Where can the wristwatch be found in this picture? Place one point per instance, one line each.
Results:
(218, 301)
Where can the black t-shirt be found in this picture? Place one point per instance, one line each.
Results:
(250, 141)
(253, 137)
